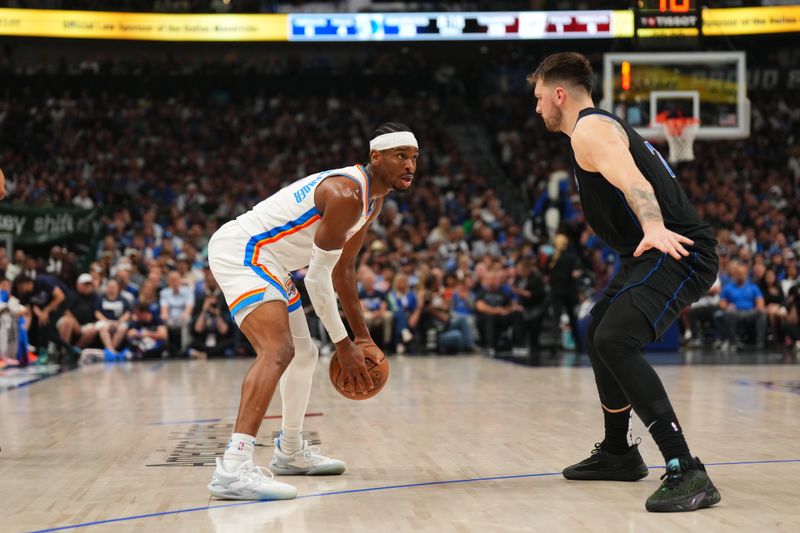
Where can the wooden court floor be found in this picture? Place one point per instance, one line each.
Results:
(452, 444)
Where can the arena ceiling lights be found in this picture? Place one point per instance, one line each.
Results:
(368, 27)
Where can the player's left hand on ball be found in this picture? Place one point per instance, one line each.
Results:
(664, 240)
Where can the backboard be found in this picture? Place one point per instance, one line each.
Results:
(710, 86)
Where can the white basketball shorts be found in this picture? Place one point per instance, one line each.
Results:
(247, 276)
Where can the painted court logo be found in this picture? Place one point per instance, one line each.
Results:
(778, 385)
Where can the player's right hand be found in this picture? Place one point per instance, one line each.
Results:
(354, 367)
(665, 241)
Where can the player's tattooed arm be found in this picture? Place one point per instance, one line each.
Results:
(598, 147)
(617, 128)
(644, 204)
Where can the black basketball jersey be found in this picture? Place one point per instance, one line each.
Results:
(608, 213)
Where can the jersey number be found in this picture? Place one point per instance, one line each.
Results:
(663, 161)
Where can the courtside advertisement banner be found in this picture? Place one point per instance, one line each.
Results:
(141, 26)
(751, 20)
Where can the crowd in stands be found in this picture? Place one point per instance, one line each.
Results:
(445, 268)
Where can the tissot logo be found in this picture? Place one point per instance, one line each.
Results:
(666, 21)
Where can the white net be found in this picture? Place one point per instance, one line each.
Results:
(680, 135)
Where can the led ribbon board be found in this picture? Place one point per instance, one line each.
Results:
(452, 26)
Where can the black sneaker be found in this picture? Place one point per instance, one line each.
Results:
(605, 466)
(687, 487)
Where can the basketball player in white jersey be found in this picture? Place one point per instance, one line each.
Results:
(319, 221)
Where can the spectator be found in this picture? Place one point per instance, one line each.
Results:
(212, 325)
(528, 287)
(77, 325)
(59, 265)
(741, 303)
(793, 316)
(128, 289)
(486, 245)
(376, 311)
(43, 297)
(496, 313)
(703, 311)
(147, 335)
(112, 312)
(406, 312)
(177, 303)
(775, 306)
(564, 271)
(15, 269)
(462, 305)
(12, 323)
(444, 332)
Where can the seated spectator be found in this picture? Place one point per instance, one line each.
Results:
(486, 244)
(528, 287)
(212, 331)
(148, 294)
(43, 297)
(793, 315)
(128, 289)
(703, 310)
(112, 312)
(406, 312)
(791, 278)
(60, 266)
(147, 335)
(462, 305)
(741, 303)
(12, 323)
(77, 325)
(444, 331)
(497, 312)
(376, 311)
(177, 303)
(775, 306)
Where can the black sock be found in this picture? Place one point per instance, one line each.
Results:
(617, 427)
(669, 437)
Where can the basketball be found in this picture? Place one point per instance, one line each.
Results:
(377, 366)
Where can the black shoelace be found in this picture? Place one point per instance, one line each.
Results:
(673, 479)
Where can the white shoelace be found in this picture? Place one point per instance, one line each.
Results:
(311, 453)
(257, 474)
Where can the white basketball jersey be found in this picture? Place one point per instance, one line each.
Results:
(284, 224)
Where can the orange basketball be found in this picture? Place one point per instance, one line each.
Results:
(377, 366)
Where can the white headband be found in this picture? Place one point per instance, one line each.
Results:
(393, 140)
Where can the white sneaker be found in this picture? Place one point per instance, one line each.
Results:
(248, 482)
(305, 462)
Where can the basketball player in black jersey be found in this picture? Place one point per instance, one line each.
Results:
(632, 201)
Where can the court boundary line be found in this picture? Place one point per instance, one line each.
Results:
(37, 379)
(367, 489)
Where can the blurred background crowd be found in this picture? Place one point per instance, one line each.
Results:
(489, 251)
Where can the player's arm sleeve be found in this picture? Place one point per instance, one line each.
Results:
(319, 284)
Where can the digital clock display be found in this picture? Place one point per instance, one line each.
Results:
(667, 7)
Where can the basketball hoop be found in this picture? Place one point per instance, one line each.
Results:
(680, 134)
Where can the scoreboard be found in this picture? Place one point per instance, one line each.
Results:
(667, 18)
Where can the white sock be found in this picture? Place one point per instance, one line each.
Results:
(291, 441)
(240, 449)
(295, 384)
